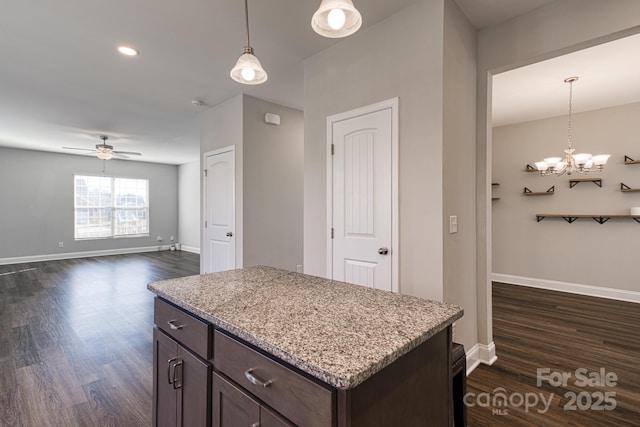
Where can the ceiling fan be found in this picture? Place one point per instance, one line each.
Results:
(105, 151)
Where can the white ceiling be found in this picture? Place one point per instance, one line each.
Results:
(62, 83)
(608, 76)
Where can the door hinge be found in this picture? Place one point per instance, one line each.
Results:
(333, 149)
(205, 172)
(332, 232)
(205, 224)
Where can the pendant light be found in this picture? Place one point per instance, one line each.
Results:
(336, 18)
(581, 163)
(248, 69)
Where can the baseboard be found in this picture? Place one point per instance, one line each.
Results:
(87, 254)
(480, 353)
(572, 288)
(191, 249)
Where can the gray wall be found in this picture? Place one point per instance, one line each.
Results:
(560, 27)
(268, 178)
(583, 252)
(37, 202)
(398, 57)
(189, 180)
(459, 168)
(221, 126)
(273, 176)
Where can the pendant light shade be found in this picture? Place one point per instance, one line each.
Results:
(336, 18)
(248, 69)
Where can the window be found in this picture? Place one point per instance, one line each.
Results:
(110, 207)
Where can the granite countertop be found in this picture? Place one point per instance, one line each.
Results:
(339, 333)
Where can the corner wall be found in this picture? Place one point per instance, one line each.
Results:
(398, 57)
(189, 180)
(273, 185)
(459, 169)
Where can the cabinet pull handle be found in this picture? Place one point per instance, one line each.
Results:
(177, 383)
(172, 325)
(170, 377)
(255, 380)
(171, 371)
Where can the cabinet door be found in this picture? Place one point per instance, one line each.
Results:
(231, 406)
(164, 395)
(269, 419)
(194, 394)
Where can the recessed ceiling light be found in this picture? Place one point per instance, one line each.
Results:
(129, 51)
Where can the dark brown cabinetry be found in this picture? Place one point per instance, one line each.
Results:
(180, 378)
(233, 407)
(251, 387)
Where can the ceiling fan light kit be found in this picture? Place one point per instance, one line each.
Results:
(336, 18)
(105, 151)
(582, 163)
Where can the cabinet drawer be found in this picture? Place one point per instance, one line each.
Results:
(185, 328)
(299, 399)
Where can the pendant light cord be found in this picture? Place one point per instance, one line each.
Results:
(570, 110)
(246, 16)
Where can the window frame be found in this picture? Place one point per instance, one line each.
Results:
(114, 208)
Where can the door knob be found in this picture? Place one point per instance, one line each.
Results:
(383, 251)
(229, 234)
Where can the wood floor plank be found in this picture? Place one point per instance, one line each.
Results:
(535, 328)
(75, 339)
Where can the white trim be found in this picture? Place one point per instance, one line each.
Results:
(392, 104)
(480, 353)
(86, 254)
(572, 288)
(191, 249)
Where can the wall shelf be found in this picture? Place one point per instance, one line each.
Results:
(576, 181)
(626, 189)
(600, 219)
(629, 161)
(549, 192)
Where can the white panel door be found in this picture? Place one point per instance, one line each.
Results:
(362, 199)
(219, 246)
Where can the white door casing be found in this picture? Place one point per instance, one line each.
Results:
(362, 189)
(219, 211)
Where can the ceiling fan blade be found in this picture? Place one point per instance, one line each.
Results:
(81, 149)
(119, 156)
(127, 152)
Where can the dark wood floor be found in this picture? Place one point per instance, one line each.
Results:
(536, 328)
(75, 339)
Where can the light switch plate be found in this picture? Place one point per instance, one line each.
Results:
(453, 224)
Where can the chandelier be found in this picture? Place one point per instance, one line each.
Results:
(582, 163)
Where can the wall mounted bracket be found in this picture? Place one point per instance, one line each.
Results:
(576, 181)
(530, 168)
(626, 189)
(629, 161)
(550, 191)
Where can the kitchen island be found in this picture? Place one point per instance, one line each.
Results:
(264, 346)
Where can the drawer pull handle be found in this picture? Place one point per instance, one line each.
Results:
(255, 380)
(172, 325)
